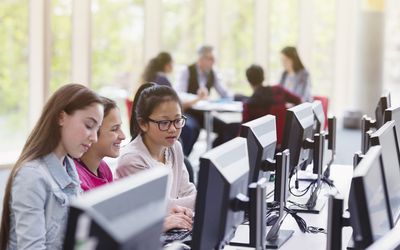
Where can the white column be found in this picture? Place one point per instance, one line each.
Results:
(81, 42)
(261, 34)
(306, 34)
(369, 54)
(152, 29)
(39, 57)
(212, 27)
(344, 90)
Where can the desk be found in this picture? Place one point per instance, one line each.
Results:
(341, 175)
(207, 107)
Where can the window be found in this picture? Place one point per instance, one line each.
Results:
(283, 31)
(60, 72)
(13, 77)
(117, 43)
(236, 47)
(182, 30)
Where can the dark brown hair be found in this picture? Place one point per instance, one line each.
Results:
(291, 53)
(45, 137)
(147, 98)
(155, 65)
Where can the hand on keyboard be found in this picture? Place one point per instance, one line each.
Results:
(178, 220)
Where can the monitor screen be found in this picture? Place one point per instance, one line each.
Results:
(223, 176)
(261, 143)
(391, 241)
(383, 104)
(116, 215)
(385, 136)
(393, 114)
(319, 116)
(298, 127)
(369, 213)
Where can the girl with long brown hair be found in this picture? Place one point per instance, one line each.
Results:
(44, 179)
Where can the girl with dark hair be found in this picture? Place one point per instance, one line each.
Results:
(158, 68)
(295, 77)
(44, 179)
(155, 126)
(92, 169)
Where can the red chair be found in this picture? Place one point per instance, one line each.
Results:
(279, 111)
(325, 101)
(129, 105)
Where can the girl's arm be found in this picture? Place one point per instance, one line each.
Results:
(28, 197)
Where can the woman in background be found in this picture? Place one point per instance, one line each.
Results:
(157, 69)
(44, 179)
(92, 169)
(295, 77)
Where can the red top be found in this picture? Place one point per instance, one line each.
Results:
(90, 180)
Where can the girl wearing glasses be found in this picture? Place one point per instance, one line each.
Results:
(155, 126)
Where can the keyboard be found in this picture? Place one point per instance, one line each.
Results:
(182, 235)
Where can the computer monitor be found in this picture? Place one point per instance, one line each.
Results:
(335, 222)
(319, 116)
(383, 104)
(125, 214)
(298, 128)
(369, 212)
(261, 143)
(393, 114)
(385, 137)
(223, 178)
(390, 241)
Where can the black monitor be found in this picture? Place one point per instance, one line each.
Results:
(383, 104)
(223, 179)
(297, 132)
(369, 212)
(390, 241)
(117, 215)
(261, 143)
(319, 116)
(385, 136)
(393, 114)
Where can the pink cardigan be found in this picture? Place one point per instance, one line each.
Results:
(136, 157)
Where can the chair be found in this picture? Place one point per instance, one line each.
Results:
(324, 101)
(189, 169)
(129, 105)
(279, 111)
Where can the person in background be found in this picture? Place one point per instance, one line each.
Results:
(200, 77)
(295, 77)
(44, 179)
(92, 169)
(158, 68)
(264, 97)
(155, 126)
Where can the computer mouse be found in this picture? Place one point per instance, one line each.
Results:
(271, 219)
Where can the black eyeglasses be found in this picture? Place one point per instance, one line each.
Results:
(164, 125)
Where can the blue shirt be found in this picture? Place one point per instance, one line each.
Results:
(40, 194)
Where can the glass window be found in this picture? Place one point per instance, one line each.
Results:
(236, 47)
(60, 72)
(117, 43)
(283, 31)
(13, 78)
(182, 30)
(321, 67)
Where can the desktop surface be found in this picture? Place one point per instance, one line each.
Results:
(341, 174)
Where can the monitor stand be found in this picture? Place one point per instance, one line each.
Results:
(320, 203)
(284, 235)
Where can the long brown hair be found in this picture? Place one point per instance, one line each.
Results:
(157, 64)
(291, 53)
(45, 137)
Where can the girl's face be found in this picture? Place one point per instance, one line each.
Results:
(110, 135)
(286, 62)
(166, 111)
(79, 130)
